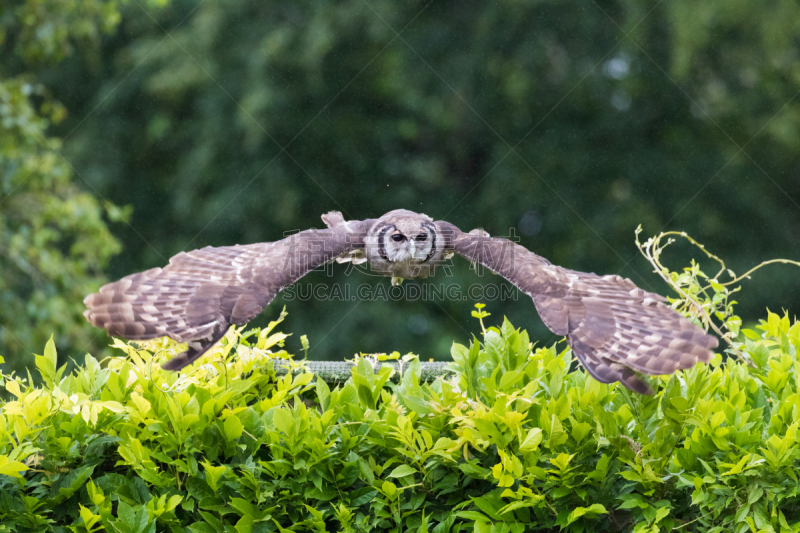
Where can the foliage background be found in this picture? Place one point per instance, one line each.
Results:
(171, 126)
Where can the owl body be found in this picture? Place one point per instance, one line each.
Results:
(404, 245)
(618, 331)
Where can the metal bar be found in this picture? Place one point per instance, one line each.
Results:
(339, 371)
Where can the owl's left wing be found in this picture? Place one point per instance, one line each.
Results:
(613, 327)
(197, 297)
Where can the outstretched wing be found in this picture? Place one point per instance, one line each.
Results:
(201, 293)
(613, 327)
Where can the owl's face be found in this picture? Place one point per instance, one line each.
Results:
(404, 244)
(407, 240)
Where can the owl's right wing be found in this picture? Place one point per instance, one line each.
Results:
(613, 327)
(201, 293)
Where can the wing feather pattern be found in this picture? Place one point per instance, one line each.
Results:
(199, 294)
(614, 328)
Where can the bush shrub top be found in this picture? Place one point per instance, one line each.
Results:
(518, 439)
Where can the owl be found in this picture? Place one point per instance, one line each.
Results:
(615, 329)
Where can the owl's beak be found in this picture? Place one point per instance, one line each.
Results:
(411, 248)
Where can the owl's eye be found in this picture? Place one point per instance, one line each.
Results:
(421, 237)
(397, 237)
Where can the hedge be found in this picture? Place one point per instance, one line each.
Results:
(517, 439)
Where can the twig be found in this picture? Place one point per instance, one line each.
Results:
(652, 249)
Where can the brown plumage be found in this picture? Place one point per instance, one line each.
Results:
(614, 328)
(197, 297)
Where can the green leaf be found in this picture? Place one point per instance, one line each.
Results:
(11, 468)
(738, 468)
(661, 514)
(532, 440)
(233, 428)
(561, 460)
(244, 524)
(509, 378)
(389, 488)
(472, 515)
(283, 420)
(758, 352)
(590, 511)
(127, 516)
(580, 430)
(362, 496)
(213, 474)
(402, 471)
(482, 527)
(324, 394)
(244, 507)
(47, 363)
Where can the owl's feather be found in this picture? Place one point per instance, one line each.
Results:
(197, 297)
(613, 327)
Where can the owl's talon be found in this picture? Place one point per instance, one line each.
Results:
(396, 281)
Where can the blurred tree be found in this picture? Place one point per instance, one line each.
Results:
(572, 122)
(54, 241)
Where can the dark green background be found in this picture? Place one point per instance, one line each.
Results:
(573, 122)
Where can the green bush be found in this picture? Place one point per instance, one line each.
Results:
(517, 439)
